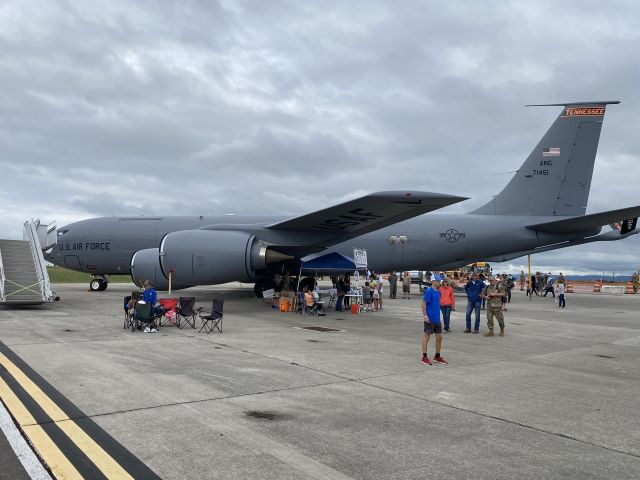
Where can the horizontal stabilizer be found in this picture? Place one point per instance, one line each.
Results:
(587, 222)
(369, 213)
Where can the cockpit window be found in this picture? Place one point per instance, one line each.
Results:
(62, 232)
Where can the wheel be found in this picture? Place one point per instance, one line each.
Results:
(98, 285)
(262, 285)
(257, 289)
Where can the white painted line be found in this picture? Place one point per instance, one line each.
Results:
(24, 453)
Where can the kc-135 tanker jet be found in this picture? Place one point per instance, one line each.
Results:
(541, 208)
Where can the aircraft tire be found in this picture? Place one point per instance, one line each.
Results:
(261, 285)
(98, 285)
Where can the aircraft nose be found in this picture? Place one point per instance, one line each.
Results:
(53, 255)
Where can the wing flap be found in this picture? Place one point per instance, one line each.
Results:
(587, 222)
(369, 213)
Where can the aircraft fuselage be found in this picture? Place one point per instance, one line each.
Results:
(105, 246)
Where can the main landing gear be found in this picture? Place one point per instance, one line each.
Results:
(262, 283)
(98, 283)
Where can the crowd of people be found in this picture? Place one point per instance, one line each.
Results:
(541, 283)
(483, 292)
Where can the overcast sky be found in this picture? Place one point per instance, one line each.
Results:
(150, 107)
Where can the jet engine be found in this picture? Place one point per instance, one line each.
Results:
(145, 265)
(208, 257)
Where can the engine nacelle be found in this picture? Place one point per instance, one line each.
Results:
(208, 257)
(145, 265)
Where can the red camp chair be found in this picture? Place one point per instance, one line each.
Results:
(169, 316)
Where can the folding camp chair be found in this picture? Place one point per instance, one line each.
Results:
(186, 312)
(170, 313)
(128, 312)
(305, 309)
(144, 316)
(300, 302)
(214, 320)
(333, 295)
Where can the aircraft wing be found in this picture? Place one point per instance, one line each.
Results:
(587, 222)
(369, 213)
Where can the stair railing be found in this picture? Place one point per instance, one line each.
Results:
(1, 280)
(31, 235)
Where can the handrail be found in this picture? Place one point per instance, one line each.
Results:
(31, 235)
(1, 279)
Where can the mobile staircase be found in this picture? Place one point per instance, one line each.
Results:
(23, 269)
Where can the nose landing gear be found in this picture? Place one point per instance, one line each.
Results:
(98, 284)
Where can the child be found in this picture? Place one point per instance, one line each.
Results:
(376, 299)
(561, 290)
(366, 297)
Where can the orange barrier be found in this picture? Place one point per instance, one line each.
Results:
(629, 288)
(569, 287)
(597, 286)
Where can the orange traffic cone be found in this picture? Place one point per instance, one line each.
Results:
(597, 286)
(629, 287)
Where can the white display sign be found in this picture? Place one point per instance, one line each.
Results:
(360, 258)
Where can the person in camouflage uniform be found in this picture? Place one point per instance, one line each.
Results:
(494, 293)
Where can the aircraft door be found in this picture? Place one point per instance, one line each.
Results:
(72, 262)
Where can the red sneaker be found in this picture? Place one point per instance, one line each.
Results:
(441, 360)
(426, 360)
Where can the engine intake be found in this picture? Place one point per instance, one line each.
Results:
(145, 265)
(207, 257)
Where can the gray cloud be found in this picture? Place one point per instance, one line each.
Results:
(106, 105)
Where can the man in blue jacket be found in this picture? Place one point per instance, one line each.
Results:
(474, 288)
(432, 324)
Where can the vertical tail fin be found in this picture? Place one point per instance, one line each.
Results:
(556, 177)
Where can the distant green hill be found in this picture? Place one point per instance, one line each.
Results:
(64, 275)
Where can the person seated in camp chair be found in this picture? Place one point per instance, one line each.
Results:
(308, 297)
(311, 302)
(319, 305)
(150, 296)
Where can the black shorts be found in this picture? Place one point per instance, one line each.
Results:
(432, 328)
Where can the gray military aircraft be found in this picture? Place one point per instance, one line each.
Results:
(542, 208)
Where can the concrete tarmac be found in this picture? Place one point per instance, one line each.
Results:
(557, 397)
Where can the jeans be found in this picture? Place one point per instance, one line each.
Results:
(471, 305)
(561, 302)
(339, 303)
(446, 315)
(549, 290)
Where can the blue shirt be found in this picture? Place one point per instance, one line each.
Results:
(474, 289)
(432, 299)
(150, 296)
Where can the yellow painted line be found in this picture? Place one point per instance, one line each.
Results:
(91, 449)
(46, 448)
